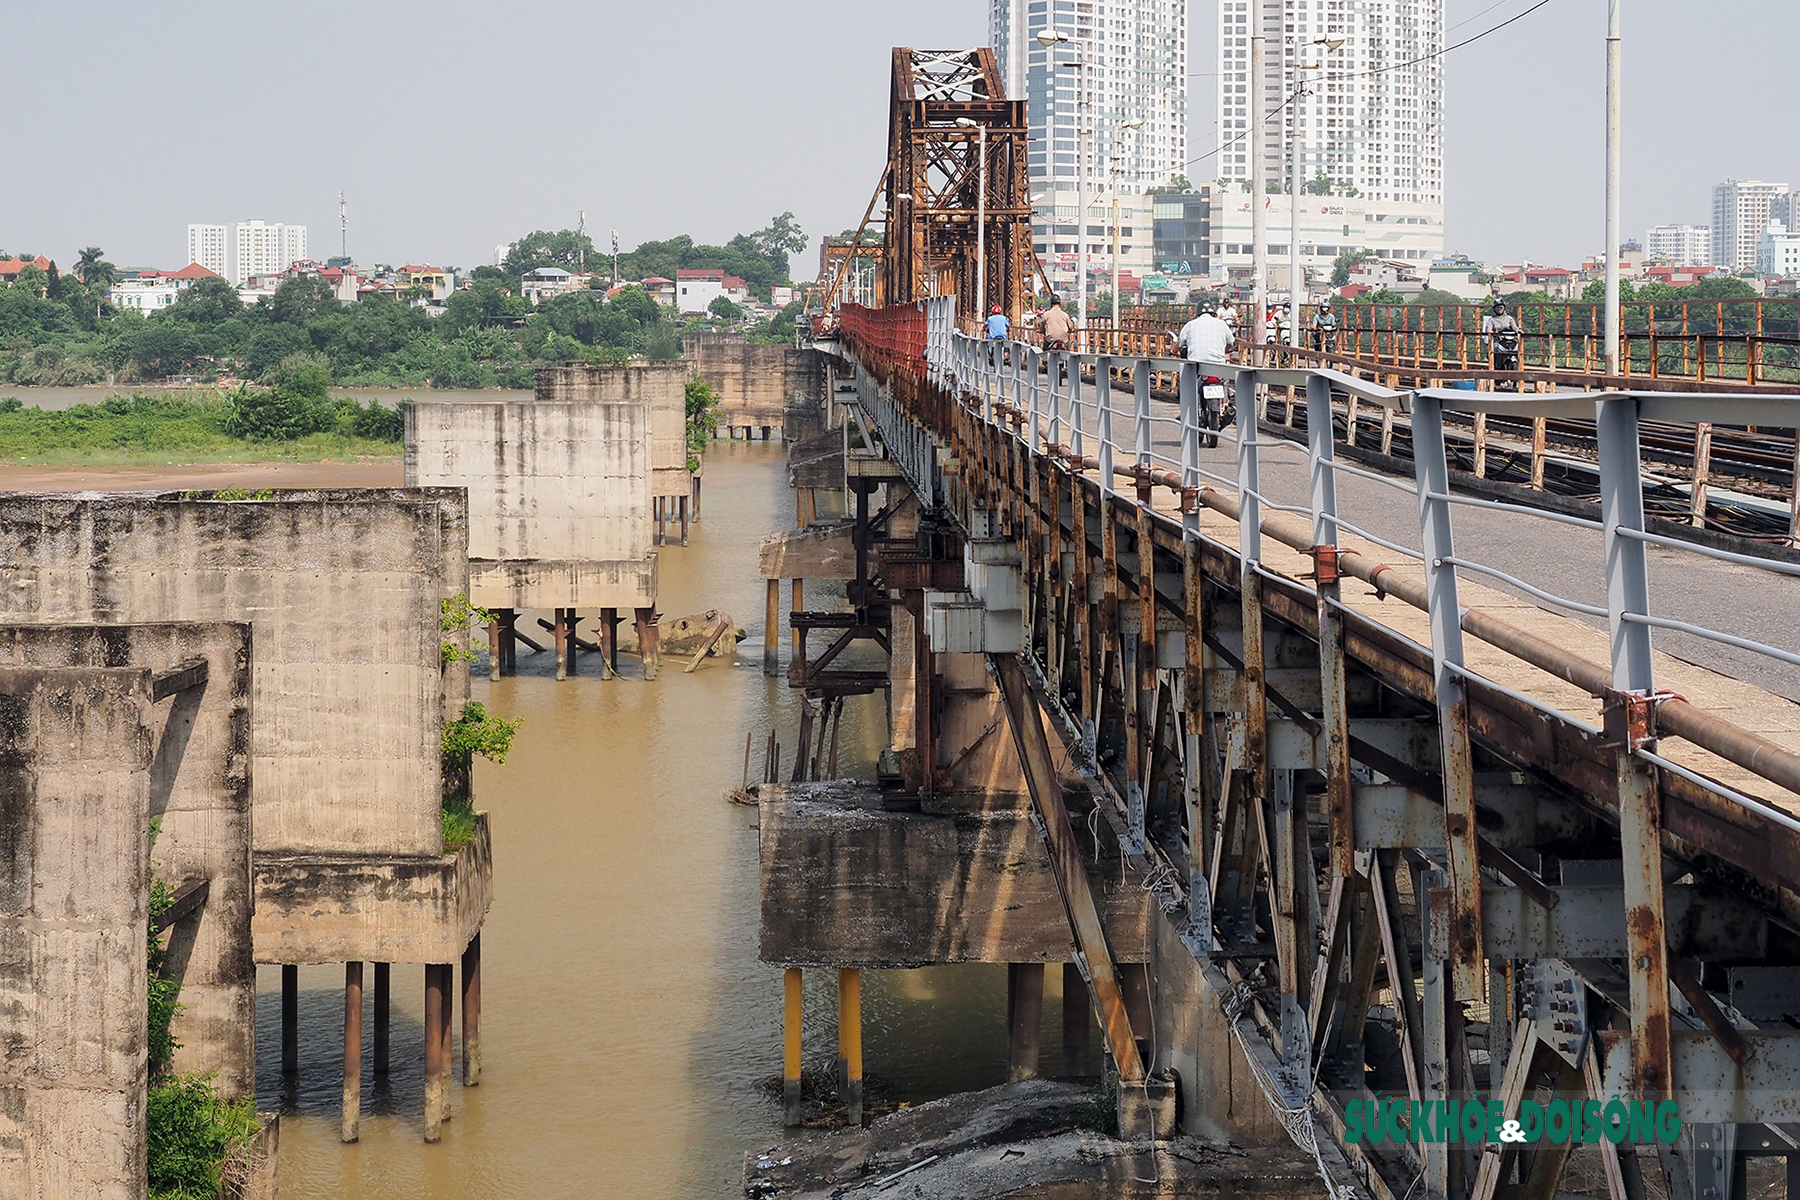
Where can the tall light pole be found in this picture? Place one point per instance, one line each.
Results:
(1137, 124)
(1049, 39)
(981, 219)
(1297, 272)
(1613, 55)
(1259, 236)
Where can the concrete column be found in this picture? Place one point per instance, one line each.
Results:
(435, 995)
(792, 1109)
(1134, 984)
(609, 642)
(1024, 1019)
(509, 645)
(1077, 1019)
(290, 1019)
(850, 1041)
(571, 639)
(561, 632)
(799, 605)
(350, 1127)
(683, 502)
(446, 1044)
(696, 499)
(381, 1018)
(494, 649)
(772, 630)
(471, 1008)
(765, 430)
(648, 641)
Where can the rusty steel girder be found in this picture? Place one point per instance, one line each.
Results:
(934, 201)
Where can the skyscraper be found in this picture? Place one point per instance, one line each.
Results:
(1684, 245)
(1372, 121)
(1741, 211)
(206, 246)
(266, 249)
(1125, 61)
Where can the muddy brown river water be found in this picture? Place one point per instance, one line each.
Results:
(626, 1019)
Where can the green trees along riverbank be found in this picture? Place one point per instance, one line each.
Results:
(58, 330)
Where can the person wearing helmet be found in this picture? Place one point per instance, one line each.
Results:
(1324, 327)
(1056, 326)
(1502, 332)
(997, 328)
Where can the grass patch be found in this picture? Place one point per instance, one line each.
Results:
(459, 824)
(195, 1138)
(160, 429)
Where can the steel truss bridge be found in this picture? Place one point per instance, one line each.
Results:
(1429, 822)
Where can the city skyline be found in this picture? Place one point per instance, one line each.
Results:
(1522, 158)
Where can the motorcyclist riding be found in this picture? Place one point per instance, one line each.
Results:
(1205, 339)
(1325, 327)
(1503, 332)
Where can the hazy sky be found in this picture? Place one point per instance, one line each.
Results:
(452, 126)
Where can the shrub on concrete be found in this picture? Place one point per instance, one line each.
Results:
(191, 1133)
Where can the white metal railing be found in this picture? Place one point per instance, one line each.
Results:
(1075, 404)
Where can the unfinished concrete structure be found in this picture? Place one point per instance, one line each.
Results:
(345, 592)
(107, 729)
(570, 494)
(761, 387)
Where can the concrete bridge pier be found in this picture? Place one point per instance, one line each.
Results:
(1024, 1019)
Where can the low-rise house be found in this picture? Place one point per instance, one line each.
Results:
(1559, 283)
(1459, 276)
(697, 288)
(545, 282)
(148, 291)
(660, 290)
(10, 267)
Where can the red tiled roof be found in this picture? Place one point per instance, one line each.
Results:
(732, 281)
(700, 273)
(658, 279)
(12, 266)
(193, 271)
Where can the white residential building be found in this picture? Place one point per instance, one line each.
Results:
(1742, 209)
(1055, 234)
(1682, 245)
(206, 246)
(1399, 231)
(1372, 116)
(1125, 61)
(1778, 251)
(262, 248)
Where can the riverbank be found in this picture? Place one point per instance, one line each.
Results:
(147, 477)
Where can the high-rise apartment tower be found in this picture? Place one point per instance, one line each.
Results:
(1125, 61)
(1742, 209)
(1371, 119)
(266, 249)
(206, 246)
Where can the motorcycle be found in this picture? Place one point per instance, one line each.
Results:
(1216, 409)
(1506, 350)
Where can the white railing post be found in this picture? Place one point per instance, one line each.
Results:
(1103, 399)
(1140, 397)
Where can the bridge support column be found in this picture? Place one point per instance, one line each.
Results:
(850, 1043)
(290, 1019)
(648, 639)
(437, 992)
(494, 648)
(350, 1123)
(1076, 1020)
(792, 1107)
(772, 629)
(609, 643)
(1024, 1019)
(471, 1006)
(382, 973)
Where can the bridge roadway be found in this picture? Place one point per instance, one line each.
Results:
(1681, 803)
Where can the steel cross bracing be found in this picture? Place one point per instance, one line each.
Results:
(1328, 805)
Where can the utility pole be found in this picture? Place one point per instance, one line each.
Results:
(1613, 55)
(1259, 249)
(615, 244)
(343, 229)
(581, 242)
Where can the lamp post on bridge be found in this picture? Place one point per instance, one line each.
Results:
(1114, 181)
(1296, 271)
(1049, 40)
(981, 219)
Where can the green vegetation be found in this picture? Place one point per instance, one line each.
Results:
(702, 419)
(472, 733)
(192, 1133)
(1656, 291)
(241, 425)
(456, 617)
(60, 329)
(1342, 264)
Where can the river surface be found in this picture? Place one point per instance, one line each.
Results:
(626, 1019)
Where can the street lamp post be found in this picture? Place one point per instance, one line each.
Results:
(1049, 39)
(1297, 272)
(1137, 124)
(981, 219)
(1613, 55)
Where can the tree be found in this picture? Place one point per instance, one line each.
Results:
(93, 269)
(565, 248)
(208, 302)
(1320, 184)
(302, 299)
(702, 419)
(1437, 297)
(1727, 288)
(1341, 265)
(1595, 292)
(724, 309)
